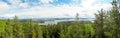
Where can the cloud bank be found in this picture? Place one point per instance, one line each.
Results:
(52, 8)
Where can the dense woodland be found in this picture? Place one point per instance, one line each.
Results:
(105, 25)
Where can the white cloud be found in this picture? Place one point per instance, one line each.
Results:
(4, 7)
(51, 12)
(92, 6)
(15, 2)
(24, 5)
(88, 3)
(86, 9)
(46, 1)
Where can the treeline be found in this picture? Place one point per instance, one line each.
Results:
(105, 25)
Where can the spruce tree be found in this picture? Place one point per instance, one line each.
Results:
(18, 28)
(2, 29)
(9, 29)
(99, 23)
(115, 15)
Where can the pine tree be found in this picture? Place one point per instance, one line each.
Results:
(99, 22)
(9, 29)
(2, 28)
(18, 28)
(77, 17)
(39, 31)
(115, 15)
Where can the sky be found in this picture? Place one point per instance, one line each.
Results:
(52, 8)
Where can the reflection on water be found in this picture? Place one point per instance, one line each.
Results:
(56, 21)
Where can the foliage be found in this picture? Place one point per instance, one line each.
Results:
(105, 25)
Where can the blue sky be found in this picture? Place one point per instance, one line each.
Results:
(51, 8)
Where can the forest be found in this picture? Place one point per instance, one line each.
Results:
(105, 25)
